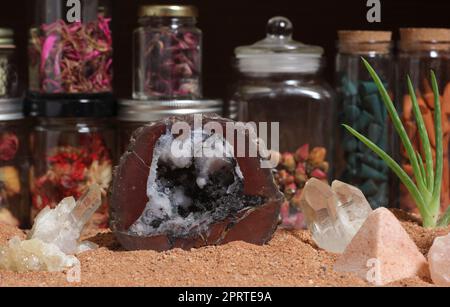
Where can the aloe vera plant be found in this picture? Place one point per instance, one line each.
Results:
(425, 186)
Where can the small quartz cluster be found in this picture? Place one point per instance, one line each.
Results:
(293, 171)
(333, 214)
(54, 239)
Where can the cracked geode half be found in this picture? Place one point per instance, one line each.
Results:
(166, 195)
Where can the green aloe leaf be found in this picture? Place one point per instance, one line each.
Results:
(409, 184)
(422, 167)
(445, 220)
(439, 145)
(398, 127)
(426, 146)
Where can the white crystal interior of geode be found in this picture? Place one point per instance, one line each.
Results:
(54, 238)
(199, 156)
(333, 214)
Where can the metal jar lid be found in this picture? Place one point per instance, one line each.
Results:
(168, 11)
(11, 109)
(154, 110)
(6, 38)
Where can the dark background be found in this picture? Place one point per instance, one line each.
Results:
(230, 23)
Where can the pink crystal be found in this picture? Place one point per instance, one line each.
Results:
(382, 251)
(439, 259)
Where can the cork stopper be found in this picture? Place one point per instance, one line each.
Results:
(358, 42)
(423, 39)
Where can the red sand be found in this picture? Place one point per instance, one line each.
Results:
(290, 259)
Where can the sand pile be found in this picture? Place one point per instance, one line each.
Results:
(290, 259)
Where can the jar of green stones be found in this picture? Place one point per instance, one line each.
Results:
(362, 108)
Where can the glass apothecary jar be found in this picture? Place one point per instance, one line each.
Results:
(361, 107)
(133, 114)
(14, 164)
(9, 80)
(280, 82)
(167, 53)
(423, 50)
(72, 147)
(70, 47)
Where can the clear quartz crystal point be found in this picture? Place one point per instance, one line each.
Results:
(333, 214)
(63, 225)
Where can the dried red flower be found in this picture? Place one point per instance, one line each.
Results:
(9, 145)
(71, 170)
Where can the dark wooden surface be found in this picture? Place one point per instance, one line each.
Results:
(230, 23)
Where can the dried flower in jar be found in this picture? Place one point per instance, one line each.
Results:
(72, 58)
(294, 170)
(71, 171)
(172, 64)
(9, 145)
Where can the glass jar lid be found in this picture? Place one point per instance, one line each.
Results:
(6, 37)
(168, 11)
(278, 52)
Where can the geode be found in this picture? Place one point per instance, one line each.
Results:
(167, 193)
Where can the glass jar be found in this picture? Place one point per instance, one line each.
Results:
(70, 48)
(14, 164)
(423, 50)
(72, 147)
(362, 108)
(280, 82)
(9, 79)
(167, 53)
(133, 114)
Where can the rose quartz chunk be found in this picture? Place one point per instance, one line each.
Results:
(382, 251)
(439, 259)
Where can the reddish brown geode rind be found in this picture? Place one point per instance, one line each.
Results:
(128, 199)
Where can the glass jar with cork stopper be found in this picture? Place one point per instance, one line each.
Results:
(423, 50)
(362, 108)
(280, 81)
